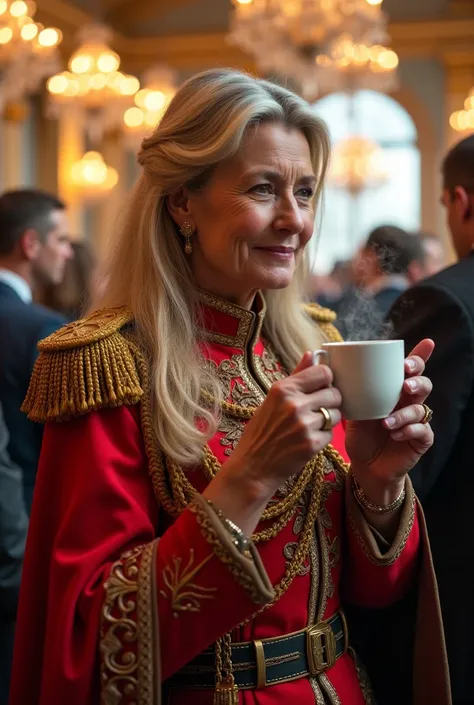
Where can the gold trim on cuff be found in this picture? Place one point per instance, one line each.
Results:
(364, 533)
(247, 568)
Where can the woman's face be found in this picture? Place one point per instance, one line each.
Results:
(254, 216)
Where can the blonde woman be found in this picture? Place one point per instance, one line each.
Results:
(194, 534)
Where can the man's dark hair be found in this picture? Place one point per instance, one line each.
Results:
(395, 249)
(23, 209)
(458, 166)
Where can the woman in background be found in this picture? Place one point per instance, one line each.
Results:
(73, 296)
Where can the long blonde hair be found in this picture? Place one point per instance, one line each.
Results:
(148, 271)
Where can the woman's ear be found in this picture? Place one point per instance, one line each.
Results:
(178, 207)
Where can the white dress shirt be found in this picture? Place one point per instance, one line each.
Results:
(18, 284)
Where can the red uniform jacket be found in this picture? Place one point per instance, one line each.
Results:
(118, 595)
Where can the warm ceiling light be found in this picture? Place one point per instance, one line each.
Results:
(18, 8)
(29, 32)
(6, 33)
(48, 37)
(108, 62)
(133, 117)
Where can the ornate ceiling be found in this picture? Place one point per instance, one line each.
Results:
(191, 34)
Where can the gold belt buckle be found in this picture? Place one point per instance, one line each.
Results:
(321, 648)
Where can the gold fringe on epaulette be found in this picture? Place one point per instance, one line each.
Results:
(331, 332)
(72, 382)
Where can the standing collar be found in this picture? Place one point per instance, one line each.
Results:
(226, 323)
(17, 283)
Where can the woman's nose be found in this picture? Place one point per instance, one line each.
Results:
(289, 216)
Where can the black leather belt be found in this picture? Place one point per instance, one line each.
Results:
(259, 663)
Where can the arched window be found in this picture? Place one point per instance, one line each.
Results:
(347, 219)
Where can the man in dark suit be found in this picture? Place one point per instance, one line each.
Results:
(380, 273)
(34, 248)
(442, 308)
(13, 528)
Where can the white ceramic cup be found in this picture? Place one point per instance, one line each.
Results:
(369, 375)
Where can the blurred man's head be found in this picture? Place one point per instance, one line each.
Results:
(34, 235)
(389, 250)
(458, 194)
(432, 261)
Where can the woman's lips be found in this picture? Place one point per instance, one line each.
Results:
(278, 251)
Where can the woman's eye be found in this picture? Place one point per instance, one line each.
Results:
(263, 189)
(306, 192)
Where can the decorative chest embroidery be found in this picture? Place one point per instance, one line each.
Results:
(185, 595)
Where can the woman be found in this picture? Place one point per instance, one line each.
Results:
(72, 296)
(186, 436)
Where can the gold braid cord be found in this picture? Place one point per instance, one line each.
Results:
(84, 366)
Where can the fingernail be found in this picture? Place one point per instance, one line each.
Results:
(390, 421)
(397, 435)
(411, 364)
(412, 384)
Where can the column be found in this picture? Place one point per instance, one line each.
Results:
(109, 210)
(11, 146)
(70, 148)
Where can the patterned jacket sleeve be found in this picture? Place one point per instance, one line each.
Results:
(101, 590)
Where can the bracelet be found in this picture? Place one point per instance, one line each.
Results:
(239, 539)
(365, 503)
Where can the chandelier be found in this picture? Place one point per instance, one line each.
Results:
(357, 164)
(28, 51)
(151, 102)
(463, 120)
(323, 45)
(92, 177)
(93, 85)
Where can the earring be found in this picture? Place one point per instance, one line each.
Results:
(187, 231)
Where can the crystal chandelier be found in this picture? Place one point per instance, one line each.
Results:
(28, 51)
(323, 45)
(151, 102)
(463, 120)
(92, 177)
(93, 85)
(357, 164)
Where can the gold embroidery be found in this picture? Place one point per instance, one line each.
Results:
(129, 631)
(363, 678)
(244, 317)
(97, 326)
(403, 542)
(289, 552)
(233, 430)
(186, 595)
(121, 588)
(238, 388)
(267, 368)
(148, 631)
(329, 689)
(210, 534)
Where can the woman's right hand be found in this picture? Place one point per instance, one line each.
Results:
(286, 431)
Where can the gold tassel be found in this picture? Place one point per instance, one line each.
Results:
(74, 381)
(226, 692)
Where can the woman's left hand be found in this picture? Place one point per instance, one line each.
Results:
(387, 450)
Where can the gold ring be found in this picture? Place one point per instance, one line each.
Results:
(428, 414)
(327, 425)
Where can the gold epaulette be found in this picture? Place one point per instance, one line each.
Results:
(84, 366)
(325, 318)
